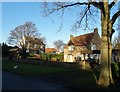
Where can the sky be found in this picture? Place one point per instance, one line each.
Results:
(17, 13)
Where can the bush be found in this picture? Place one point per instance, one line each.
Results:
(50, 57)
(115, 70)
(23, 53)
(118, 63)
(43, 56)
(31, 55)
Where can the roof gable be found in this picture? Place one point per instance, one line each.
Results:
(82, 40)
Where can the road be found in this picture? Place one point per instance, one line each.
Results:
(12, 81)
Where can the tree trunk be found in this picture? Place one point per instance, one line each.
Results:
(105, 78)
(110, 51)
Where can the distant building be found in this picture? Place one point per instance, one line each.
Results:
(34, 45)
(82, 47)
(14, 52)
(52, 51)
(116, 53)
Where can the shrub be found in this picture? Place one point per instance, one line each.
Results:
(31, 55)
(118, 63)
(23, 53)
(43, 56)
(115, 70)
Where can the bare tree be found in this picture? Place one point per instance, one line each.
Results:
(59, 45)
(116, 42)
(26, 30)
(107, 21)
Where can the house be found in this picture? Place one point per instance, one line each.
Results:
(52, 51)
(14, 52)
(82, 47)
(116, 53)
(34, 45)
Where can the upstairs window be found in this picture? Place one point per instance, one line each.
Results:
(35, 46)
(93, 47)
(71, 48)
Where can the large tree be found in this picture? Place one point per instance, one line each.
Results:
(107, 21)
(18, 34)
(59, 44)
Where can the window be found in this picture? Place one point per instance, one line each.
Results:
(41, 46)
(35, 46)
(71, 48)
(93, 47)
(65, 56)
(28, 45)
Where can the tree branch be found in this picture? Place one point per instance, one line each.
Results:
(112, 4)
(68, 5)
(78, 23)
(115, 16)
(60, 6)
(98, 5)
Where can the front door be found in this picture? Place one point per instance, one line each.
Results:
(71, 58)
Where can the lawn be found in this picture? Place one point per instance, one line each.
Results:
(72, 78)
(33, 70)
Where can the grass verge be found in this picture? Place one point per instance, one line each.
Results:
(73, 78)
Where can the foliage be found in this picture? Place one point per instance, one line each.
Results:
(115, 70)
(5, 49)
(49, 56)
(23, 53)
(118, 63)
(43, 56)
(58, 57)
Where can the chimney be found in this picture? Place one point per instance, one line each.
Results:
(71, 36)
(96, 30)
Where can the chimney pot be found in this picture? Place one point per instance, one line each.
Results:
(71, 36)
(96, 30)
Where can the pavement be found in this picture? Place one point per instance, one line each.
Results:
(12, 81)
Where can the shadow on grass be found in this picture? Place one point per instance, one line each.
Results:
(73, 78)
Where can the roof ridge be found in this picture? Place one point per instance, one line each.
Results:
(84, 34)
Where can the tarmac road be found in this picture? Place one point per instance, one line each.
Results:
(12, 81)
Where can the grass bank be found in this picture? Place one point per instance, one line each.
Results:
(72, 78)
(34, 70)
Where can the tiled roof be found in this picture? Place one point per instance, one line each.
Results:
(34, 40)
(82, 40)
(48, 50)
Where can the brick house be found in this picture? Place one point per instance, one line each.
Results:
(34, 45)
(52, 51)
(82, 47)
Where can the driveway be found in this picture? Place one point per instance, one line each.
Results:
(12, 81)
